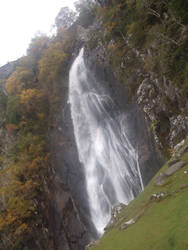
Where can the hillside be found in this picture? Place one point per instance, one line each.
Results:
(159, 214)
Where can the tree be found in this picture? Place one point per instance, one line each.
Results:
(37, 47)
(51, 63)
(86, 13)
(19, 80)
(180, 9)
(65, 18)
(13, 110)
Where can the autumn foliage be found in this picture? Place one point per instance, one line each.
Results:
(33, 92)
(31, 98)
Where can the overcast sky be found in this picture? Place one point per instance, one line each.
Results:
(20, 20)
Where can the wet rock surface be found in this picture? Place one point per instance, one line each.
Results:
(66, 228)
(150, 160)
(114, 214)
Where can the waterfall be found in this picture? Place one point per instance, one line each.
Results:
(109, 160)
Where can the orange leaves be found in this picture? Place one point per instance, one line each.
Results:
(17, 199)
(29, 95)
(11, 128)
(31, 99)
(13, 84)
(34, 93)
(52, 61)
(19, 80)
(37, 47)
(22, 229)
(34, 109)
(22, 183)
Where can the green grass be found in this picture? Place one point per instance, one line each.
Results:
(162, 225)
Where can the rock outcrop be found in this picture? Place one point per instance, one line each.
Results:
(160, 179)
(127, 224)
(66, 229)
(149, 157)
(116, 210)
(177, 166)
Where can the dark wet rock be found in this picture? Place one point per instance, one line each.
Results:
(69, 168)
(160, 179)
(66, 228)
(115, 211)
(174, 168)
(149, 158)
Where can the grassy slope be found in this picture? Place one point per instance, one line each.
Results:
(162, 225)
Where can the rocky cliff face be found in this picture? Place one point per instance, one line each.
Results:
(68, 208)
(164, 105)
(66, 228)
(161, 102)
(70, 223)
(150, 159)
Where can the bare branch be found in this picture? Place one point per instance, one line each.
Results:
(154, 13)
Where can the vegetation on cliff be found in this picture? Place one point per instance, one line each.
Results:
(160, 27)
(147, 42)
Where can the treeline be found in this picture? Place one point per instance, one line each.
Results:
(29, 101)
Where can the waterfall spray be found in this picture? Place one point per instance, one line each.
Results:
(109, 160)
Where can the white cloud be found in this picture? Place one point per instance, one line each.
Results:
(20, 20)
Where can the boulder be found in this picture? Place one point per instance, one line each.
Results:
(183, 150)
(158, 196)
(171, 170)
(160, 179)
(178, 130)
(115, 211)
(92, 244)
(177, 147)
(128, 223)
(172, 162)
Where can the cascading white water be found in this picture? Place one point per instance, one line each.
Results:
(110, 162)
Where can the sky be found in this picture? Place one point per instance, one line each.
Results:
(21, 20)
